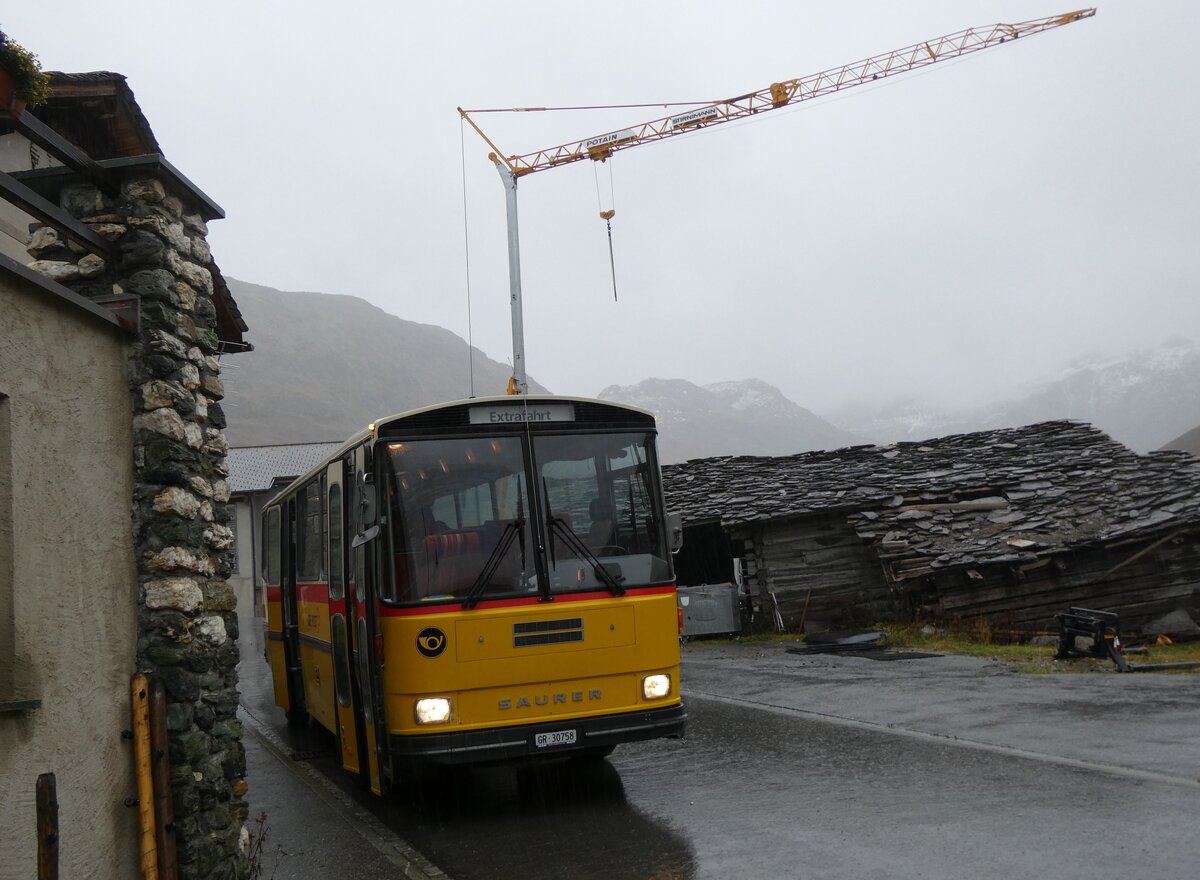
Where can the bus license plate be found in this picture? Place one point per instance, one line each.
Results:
(554, 738)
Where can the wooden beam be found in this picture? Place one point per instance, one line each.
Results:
(17, 193)
(61, 149)
(160, 765)
(47, 827)
(147, 842)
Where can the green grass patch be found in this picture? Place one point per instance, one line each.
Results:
(981, 642)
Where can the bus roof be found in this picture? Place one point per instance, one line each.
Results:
(372, 430)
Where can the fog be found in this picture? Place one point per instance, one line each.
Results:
(944, 235)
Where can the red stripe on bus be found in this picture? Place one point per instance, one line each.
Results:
(450, 607)
(312, 592)
(316, 594)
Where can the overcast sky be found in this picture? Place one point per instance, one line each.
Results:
(945, 234)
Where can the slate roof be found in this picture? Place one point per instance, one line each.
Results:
(98, 113)
(1002, 496)
(258, 468)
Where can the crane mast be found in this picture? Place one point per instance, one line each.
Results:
(706, 114)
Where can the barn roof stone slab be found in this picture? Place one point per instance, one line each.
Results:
(1002, 496)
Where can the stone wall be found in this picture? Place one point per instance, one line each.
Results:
(187, 622)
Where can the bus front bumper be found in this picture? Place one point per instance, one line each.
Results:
(562, 738)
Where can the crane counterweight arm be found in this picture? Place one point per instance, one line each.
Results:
(781, 94)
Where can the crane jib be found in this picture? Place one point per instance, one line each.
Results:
(778, 94)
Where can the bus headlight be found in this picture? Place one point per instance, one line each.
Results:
(655, 687)
(432, 710)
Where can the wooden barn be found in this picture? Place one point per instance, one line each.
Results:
(1000, 529)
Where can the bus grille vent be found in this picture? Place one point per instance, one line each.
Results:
(547, 632)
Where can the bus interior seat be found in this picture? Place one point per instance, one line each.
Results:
(452, 561)
(600, 533)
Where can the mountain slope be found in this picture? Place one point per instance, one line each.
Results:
(1188, 442)
(728, 418)
(324, 366)
(1141, 399)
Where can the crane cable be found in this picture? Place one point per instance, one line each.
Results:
(462, 146)
(606, 216)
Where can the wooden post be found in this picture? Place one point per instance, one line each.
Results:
(147, 846)
(164, 811)
(47, 827)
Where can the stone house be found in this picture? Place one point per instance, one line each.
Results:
(112, 325)
(999, 529)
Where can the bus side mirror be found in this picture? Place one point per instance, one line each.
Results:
(675, 531)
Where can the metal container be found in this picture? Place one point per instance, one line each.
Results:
(710, 609)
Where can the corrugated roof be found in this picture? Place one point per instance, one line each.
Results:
(1008, 495)
(257, 468)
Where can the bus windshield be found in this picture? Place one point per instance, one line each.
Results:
(599, 502)
(467, 521)
(459, 512)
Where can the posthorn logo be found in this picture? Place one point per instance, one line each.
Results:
(431, 641)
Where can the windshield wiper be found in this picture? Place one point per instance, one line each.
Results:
(515, 528)
(574, 542)
(571, 539)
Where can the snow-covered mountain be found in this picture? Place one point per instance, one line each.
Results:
(1143, 399)
(728, 418)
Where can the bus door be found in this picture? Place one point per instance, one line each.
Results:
(342, 614)
(361, 596)
(296, 709)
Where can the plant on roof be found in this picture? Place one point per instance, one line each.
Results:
(30, 83)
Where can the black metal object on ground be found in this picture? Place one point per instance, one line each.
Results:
(1103, 628)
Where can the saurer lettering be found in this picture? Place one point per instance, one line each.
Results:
(522, 702)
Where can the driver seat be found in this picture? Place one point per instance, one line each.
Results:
(600, 533)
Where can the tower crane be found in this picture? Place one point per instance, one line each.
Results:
(600, 147)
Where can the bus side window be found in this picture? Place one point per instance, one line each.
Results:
(310, 534)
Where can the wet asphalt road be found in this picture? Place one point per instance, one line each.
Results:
(832, 767)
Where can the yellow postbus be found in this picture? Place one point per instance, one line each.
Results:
(485, 580)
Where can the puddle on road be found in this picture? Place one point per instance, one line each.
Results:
(536, 821)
